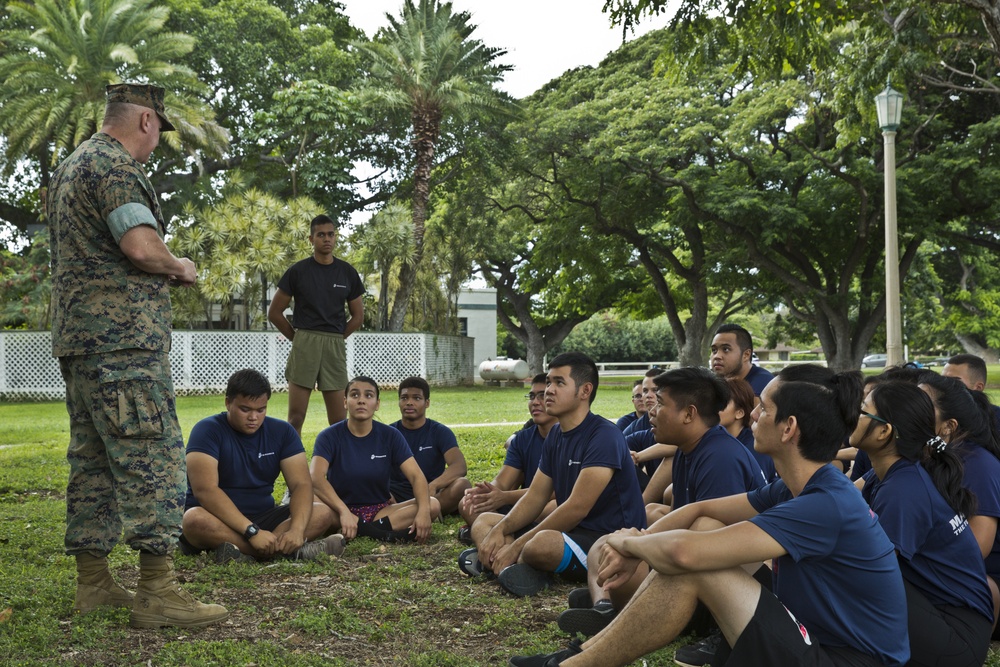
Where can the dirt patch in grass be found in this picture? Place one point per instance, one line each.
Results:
(378, 604)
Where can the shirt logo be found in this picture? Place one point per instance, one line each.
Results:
(335, 286)
(958, 523)
(376, 456)
(260, 454)
(420, 449)
(574, 463)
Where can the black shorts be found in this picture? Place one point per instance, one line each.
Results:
(578, 543)
(401, 490)
(273, 517)
(774, 637)
(945, 636)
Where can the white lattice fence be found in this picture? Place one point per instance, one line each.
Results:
(202, 361)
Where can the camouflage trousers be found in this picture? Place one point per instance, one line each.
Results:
(126, 453)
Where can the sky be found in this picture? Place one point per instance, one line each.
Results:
(543, 38)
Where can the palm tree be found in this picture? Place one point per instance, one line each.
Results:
(60, 55)
(386, 238)
(426, 64)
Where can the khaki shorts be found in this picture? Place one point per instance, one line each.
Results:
(318, 359)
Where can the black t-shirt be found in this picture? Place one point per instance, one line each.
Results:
(320, 293)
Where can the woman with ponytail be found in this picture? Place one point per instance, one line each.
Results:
(915, 487)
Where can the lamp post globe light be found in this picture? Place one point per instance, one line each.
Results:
(890, 109)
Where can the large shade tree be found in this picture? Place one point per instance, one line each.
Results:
(62, 54)
(426, 67)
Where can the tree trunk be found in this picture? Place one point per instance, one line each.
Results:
(426, 129)
(383, 301)
(973, 345)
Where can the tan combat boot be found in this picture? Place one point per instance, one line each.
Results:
(95, 587)
(161, 601)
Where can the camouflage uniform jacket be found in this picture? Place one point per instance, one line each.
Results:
(101, 302)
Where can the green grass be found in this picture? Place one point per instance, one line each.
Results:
(377, 605)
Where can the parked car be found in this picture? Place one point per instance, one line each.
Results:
(873, 361)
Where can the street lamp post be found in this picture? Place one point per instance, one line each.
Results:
(890, 108)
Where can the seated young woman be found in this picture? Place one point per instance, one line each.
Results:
(964, 420)
(736, 419)
(351, 466)
(915, 487)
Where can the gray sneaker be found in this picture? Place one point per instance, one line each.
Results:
(468, 562)
(227, 552)
(333, 545)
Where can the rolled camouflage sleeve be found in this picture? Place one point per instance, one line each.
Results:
(125, 201)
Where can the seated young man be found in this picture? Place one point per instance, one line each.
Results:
(434, 447)
(518, 468)
(709, 463)
(586, 463)
(233, 460)
(638, 405)
(648, 399)
(830, 557)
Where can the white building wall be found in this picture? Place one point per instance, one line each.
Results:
(478, 307)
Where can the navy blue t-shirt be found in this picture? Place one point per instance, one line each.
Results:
(524, 452)
(938, 554)
(639, 441)
(758, 378)
(626, 420)
(838, 559)
(360, 468)
(640, 424)
(321, 293)
(765, 461)
(717, 467)
(428, 445)
(598, 443)
(862, 464)
(982, 477)
(248, 464)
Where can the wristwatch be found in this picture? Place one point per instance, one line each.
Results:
(251, 530)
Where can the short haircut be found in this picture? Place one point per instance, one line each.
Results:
(700, 387)
(637, 383)
(652, 373)
(741, 393)
(247, 382)
(362, 379)
(416, 382)
(581, 368)
(321, 219)
(541, 378)
(824, 404)
(743, 339)
(977, 366)
(119, 112)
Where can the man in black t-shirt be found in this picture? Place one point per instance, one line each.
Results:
(325, 289)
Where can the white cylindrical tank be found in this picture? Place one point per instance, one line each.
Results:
(504, 369)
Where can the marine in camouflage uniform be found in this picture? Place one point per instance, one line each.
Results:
(111, 332)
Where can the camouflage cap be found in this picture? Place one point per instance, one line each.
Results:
(147, 96)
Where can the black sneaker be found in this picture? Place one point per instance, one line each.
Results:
(700, 653)
(547, 659)
(465, 535)
(579, 598)
(588, 622)
(186, 548)
(468, 562)
(523, 580)
(228, 552)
